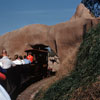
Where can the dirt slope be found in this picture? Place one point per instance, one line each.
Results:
(30, 92)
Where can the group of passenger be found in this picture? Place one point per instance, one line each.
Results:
(6, 63)
(18, 60)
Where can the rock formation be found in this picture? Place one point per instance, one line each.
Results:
(61, 37)
(82, 12)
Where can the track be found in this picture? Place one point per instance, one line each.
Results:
(29, 92)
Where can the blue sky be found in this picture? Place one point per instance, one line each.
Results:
(15, 14)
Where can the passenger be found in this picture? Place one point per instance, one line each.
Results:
(17, 60)
(21, 58)
(3, 94)
(6, 62)
(26, 61)
(2, 76)
(30, 57)
(1, 65)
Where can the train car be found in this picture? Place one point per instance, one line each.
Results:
(40, 55)
(20, 76)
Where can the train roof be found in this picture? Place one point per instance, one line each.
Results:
(36, 51)
(39, 48)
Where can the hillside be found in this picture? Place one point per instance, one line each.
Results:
(83, 83)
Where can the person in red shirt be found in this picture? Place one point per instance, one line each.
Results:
(2, 76)
(30, 57)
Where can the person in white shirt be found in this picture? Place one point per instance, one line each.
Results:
(21, 58)
(17, 60)
(3, 94)
(6, 62)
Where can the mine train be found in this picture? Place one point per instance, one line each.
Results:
(22, 75)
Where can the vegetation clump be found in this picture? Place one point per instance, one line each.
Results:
(93, 6)
(86, 74)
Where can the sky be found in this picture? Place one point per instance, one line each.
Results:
(15, 14)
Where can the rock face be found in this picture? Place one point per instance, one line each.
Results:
(82, 12)
(60, 37)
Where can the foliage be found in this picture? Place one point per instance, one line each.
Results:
(93, 6)
(86, 71)
(89, 92)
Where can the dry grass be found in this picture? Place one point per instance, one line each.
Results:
(69, 62)
(90, 92)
